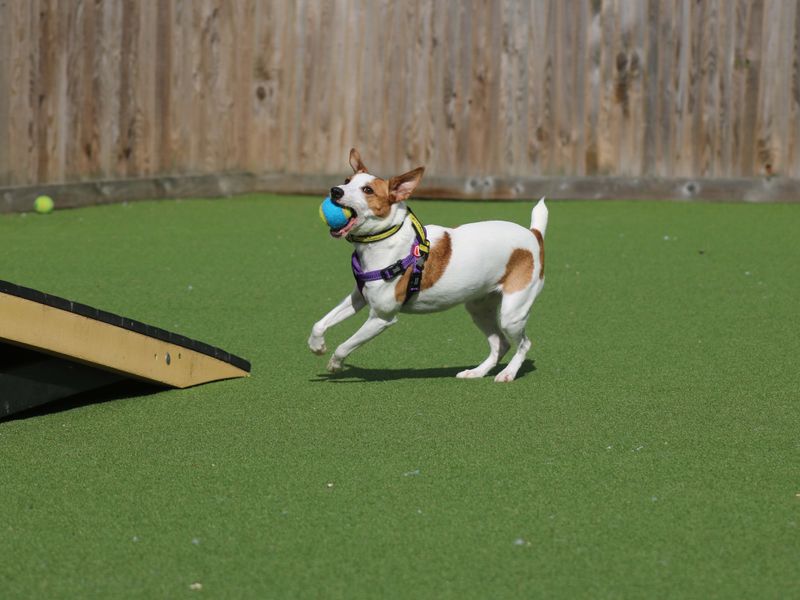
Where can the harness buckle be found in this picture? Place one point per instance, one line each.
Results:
(392, 271)
(415, 282)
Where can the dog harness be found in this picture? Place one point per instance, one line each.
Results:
(420, 250)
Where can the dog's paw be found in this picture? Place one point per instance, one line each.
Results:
(471, 374)
(504, 377)
(317, 344)
(334, 364)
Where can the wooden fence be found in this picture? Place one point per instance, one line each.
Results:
(505, 98)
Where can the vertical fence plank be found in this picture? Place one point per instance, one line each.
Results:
(667, 42)
(309, 90)
(6, 32)
(546, 129)
(89, 144)
(724, 42)
(578, 67)
(128, 59)
(592, 85)
(741, 14)
(165, 19)
(180, 117)
(449, 99)
(783, 80)
(608, 124)
(402, 46)
(270, 74)
(330, 142)
(652, 101)
(682, 82)
(475, 125)
(629, 92)
(512, 113)
(708, 107)
(106, 73)
(419, 109)
(491, 159)
(432, 85)
(21, 43)
(145, 91)
(793, 150)
(291, 116)
(752, 65)
(74, 76)
(563, 88)
(463, 107)
(695, 125)
(771, 121)
(48, 91)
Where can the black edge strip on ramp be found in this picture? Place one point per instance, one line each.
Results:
(84, 310)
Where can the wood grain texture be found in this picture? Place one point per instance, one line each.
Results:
(793, 141)
(6, 78)
(99, 90)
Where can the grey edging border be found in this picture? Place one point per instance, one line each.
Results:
(86, 193)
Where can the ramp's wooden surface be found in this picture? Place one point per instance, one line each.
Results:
(33, 319)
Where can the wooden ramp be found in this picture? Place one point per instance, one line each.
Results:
(52, 348)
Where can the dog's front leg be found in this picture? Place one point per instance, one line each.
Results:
(345, 309)
(371, 328)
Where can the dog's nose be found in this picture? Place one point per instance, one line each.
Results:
(336, 193)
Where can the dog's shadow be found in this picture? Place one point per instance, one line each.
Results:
(354, 374)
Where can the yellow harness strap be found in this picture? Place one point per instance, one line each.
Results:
(422, 239)
(376, 237)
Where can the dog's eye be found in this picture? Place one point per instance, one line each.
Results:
(367, 190)
(346, 181)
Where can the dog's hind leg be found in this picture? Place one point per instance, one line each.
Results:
(484, 314)
(514, 311)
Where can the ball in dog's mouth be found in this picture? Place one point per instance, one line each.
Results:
(343, 231)
(340, 219)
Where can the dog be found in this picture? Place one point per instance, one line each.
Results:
(494, 268)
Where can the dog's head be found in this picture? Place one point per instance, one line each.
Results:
(374, 201)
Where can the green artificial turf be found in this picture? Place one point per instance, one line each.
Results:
(650, 448)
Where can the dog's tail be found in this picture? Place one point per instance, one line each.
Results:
(539, 217)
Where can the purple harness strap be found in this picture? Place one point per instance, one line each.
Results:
(416, 258)
(386, 274)
(392, 271)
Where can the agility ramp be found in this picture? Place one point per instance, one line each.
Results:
(52, 348)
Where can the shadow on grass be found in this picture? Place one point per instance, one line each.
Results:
(122, 390)
(353, 374)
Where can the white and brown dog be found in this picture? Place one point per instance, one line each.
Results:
(495, 268)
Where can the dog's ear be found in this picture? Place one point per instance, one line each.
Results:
(356, 162)
(401, 186)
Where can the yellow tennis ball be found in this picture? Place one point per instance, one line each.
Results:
(43, 205)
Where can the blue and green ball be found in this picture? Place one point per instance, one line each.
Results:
(333, 215)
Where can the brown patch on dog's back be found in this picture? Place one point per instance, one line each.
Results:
(540, 239)
(519, 271)
(435, 267)
(437, 261)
